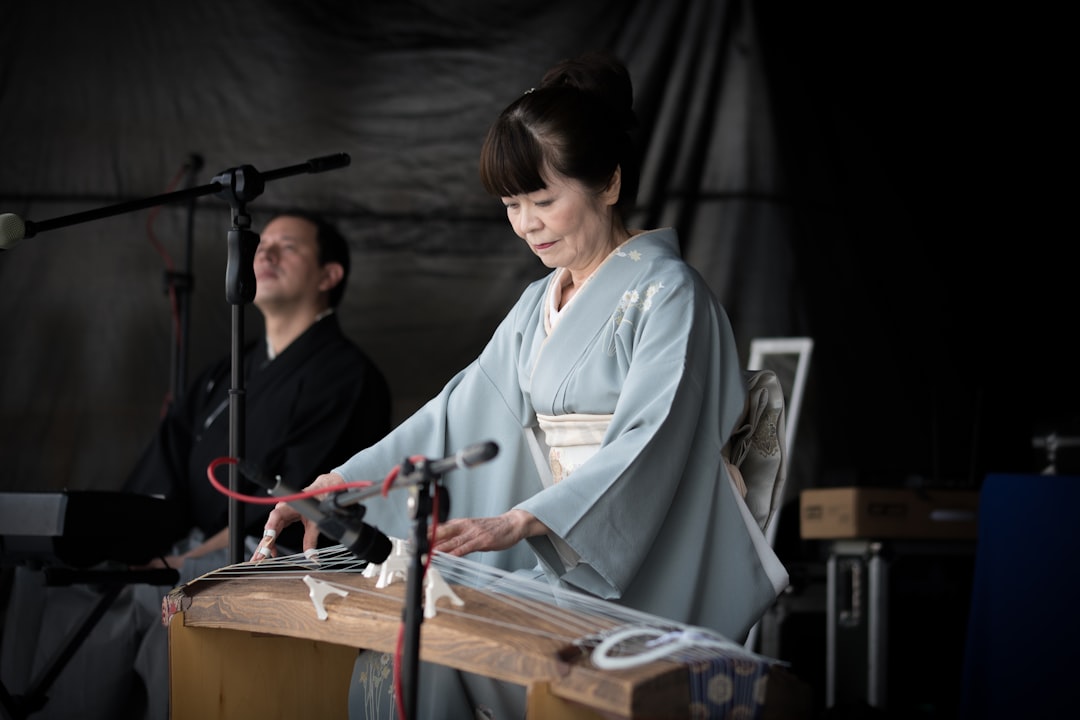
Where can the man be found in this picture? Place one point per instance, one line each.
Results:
(312, 399)
(310, 393)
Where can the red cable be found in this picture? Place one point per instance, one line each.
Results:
(260, 500)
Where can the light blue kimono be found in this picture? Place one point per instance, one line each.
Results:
(653, 514)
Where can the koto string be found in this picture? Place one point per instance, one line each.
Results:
(622, 636)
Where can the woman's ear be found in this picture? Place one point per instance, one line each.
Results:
(610, 195)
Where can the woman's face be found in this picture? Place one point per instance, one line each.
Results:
(565, 224)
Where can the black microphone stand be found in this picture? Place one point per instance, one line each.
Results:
(424, 490)
(239, 186)
(421, 484)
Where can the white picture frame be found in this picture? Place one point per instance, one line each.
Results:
(789, 358)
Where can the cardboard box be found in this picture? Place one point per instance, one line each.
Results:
(878, 513)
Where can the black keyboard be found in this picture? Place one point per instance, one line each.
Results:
(81, 528)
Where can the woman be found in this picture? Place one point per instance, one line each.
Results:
(610, 387)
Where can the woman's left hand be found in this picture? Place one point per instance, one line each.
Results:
(462, 536)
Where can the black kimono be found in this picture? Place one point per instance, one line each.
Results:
(309, 409)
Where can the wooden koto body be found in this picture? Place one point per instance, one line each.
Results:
(250, 644)
(481, 640)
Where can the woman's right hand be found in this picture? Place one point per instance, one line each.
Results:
(283, 515)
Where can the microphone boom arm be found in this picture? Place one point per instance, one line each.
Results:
(10, 223)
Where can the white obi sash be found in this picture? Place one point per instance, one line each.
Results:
(560, 445)
(571, 440)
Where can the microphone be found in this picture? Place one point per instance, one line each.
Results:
(342, 524)
(465, 458)
(328, 162)
(13, 229)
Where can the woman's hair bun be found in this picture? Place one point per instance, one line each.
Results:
(602, 76)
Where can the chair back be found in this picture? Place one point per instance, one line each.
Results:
(757, 449)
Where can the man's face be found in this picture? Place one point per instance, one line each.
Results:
(287, 270)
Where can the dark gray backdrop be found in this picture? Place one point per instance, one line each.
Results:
(822, 162)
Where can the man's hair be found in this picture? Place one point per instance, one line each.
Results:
(333, 247)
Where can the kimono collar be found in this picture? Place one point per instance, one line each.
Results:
(270, 354)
